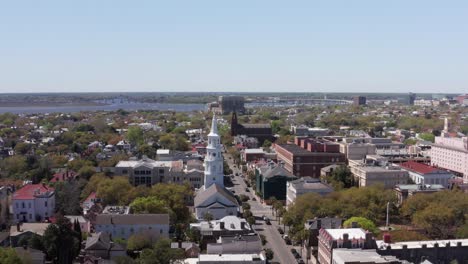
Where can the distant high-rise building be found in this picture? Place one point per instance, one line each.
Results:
(359, 100)
(407, 100)
(411, 98)
(230, 104)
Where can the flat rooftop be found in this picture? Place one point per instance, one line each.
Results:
(418, 244)
(296, 150)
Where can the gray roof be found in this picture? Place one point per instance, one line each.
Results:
(310, 183)
(269, 172)
(132, 219)
(327, 223)
(205, 194)
(256, 125)
(101, 241)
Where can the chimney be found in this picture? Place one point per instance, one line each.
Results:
(18, 227)
(345, 237)
(319, 223)
(368, 238)
(387, 238)
(242, 225)
(221, 225)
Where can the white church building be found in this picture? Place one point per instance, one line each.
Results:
(213, 198)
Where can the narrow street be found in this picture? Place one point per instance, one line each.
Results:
(282, 252)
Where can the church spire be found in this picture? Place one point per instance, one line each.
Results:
(214, 126)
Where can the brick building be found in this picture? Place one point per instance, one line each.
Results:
(308, 156)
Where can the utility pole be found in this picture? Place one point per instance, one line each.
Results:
(388, 206)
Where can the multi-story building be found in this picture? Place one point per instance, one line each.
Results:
(312, 227)
(211, 231)
(451, 153)
(376, 170)
(329, 239)
(306, 131)
(271, 181)
(424, 174)
(261, 132)
(308, 156)
(432, 251)
(145, 171)
(305, 185)
(33, 203)
(359, 100)
(357, 148)
(367, 256)
(149, 172)
(126, 225)
(230, 104)
(404, 191)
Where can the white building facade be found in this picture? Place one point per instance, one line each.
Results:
(33, 203)
(124, 226)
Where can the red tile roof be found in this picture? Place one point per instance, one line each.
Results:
(30, 191)
(63, 176)
(418, 167)
(91, 197)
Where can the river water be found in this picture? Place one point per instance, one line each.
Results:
(107, 107)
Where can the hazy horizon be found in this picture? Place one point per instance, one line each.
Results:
(244, 46)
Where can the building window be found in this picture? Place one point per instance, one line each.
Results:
(29, 205)
(160, 231)
(24, 206)
(124, 171)
(30, 216)
(45, 203)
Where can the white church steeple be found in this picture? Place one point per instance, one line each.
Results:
(214, 160)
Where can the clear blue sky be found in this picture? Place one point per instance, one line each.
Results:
(326, 46)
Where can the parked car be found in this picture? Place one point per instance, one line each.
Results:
(280, 230)
(247, 190)
(267, 221)
(300, 261)
(293, 251)
(287, 239)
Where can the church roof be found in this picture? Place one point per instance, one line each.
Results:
(213, 190)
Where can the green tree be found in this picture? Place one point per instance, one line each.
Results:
(269, 254)
(437, 220)
(361, 222)
(267, 143)
(161, 253)
(60, 241)
(342, 176)
(9, 256)
(427, 136)
(67, 197)
(135, 135)
(114, 191)
(149, 205)
(175, 197)
(139, 242)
